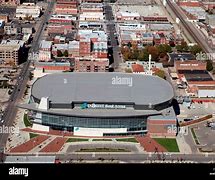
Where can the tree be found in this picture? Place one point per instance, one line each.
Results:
(164, 48)
(184, 46)
(135, 54)
(128, 70)
(141, 56)
(162, 55)
(154, 52)
(172, 44)
(127, 55)
(65, 53)
(179, 48)
(59, 53)
(195, 49)
(209, 65)
(160, 73)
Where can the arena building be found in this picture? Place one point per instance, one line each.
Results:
(102, 104)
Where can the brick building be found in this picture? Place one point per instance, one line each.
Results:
(45, 50)
(66, 7)
(91, 65)
(162, 126)
(190, 65)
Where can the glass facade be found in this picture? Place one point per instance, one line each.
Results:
(62, 122)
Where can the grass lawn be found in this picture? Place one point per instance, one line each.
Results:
(102, 139)
(26, 121)
(76, 139)
(127, 140)
(103, 150)
(32, 135)
(168, 143)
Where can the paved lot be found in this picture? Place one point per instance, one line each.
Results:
(7, 10)
(205, 136)
(196, 110)
(145, 2)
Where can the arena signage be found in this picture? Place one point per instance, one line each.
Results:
(102, 106)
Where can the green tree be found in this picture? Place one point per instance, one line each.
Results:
(209, 65)
(65, 53)
(160, 73)
(127, 55)
(141, 56)
(128, 70)
(59, 53)
(179, 48)
(195, 49)
(135, 54)
(184, 46)
(164, 48)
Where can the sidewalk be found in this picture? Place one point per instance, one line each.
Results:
(182, 145)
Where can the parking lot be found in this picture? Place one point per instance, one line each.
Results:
(196, 109)
(8, 10)
(205, 136)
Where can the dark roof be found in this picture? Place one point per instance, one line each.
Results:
(180, 56)
(196, 75)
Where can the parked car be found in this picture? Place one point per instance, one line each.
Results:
(188, 119)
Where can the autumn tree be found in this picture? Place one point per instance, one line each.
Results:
(160, 73)
(65, 53)
(154, 52)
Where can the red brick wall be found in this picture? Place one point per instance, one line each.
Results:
(60, 68)
(159, 127)
(190, 65)
(189, 3)
(66, 11)
(100, 55)
(84, 48)
(81, 66)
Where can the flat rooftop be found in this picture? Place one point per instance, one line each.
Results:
(99, 87)
(143, 10)
(196, 75)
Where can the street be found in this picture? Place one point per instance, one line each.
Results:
(188, 26)
(11, 110)
(112, 32)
